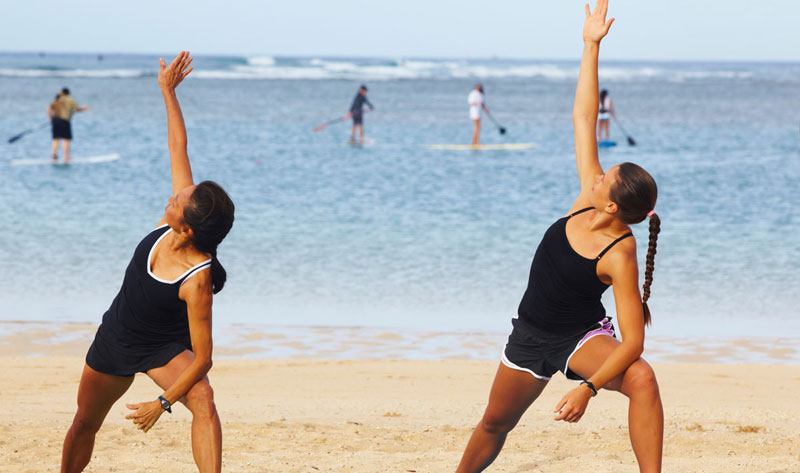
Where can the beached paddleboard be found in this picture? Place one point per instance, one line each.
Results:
(606, 144)
(488, 147)
(86, 160)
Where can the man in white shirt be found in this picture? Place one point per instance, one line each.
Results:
(475, 100)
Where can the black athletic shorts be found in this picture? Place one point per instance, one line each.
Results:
(358, 117)
(542, 354)
(61, 128)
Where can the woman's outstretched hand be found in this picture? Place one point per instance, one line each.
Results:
(572, 406)
(595, 27)
(145, 414)
(170, 76)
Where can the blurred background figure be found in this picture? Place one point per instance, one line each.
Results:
(60, 112)
(604, 114)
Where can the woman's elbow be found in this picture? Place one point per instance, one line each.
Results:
(583, 118)
(634, 348)
(177, 142)
(204, 363)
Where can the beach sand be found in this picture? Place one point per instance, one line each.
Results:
(404, 416)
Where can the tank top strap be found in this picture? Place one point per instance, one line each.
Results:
(579, 212)
(629, 234)
(195, 270)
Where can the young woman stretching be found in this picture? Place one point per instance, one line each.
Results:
(562, 324)
(160, 322)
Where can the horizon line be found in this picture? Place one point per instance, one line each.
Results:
(404, 57)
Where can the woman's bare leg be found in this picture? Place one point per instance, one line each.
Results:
(206, 427)
(512, 393)
(97, 392)
(638, 383)
(476, 131)
(602, 129)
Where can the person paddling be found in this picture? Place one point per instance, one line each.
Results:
(357, 113)
(561, 323)
(604, 113)
(60, 113)
(160, 321)
(476, 104)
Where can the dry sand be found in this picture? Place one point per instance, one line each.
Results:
(405, 416)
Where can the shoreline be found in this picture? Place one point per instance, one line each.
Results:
(249, 341)
(405, 416)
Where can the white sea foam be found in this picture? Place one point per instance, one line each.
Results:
(89, 73)
(261, 61)
(268, 67)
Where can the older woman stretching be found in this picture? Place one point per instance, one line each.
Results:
(160, 322)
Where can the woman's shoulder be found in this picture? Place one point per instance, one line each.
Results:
(621, 253)
(198, 285)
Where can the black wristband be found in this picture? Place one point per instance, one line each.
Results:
(591, 387)
(165, 404)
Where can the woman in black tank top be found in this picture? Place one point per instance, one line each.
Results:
(160, 321)
(561, 323)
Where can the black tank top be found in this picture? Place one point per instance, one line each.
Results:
(563, 294)
(147, 322)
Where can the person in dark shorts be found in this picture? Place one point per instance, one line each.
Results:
(561, 323)
(357, 114)
(60, 113)
(160, 321)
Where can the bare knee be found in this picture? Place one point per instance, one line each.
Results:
(494, 424)
(200, 400)
(640, 381)
(83, 424)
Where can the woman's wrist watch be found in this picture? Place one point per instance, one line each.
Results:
(165, 404)
(591, 387)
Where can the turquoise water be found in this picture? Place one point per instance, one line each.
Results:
(393, 234)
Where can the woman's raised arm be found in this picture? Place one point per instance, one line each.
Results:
(169, 77)
(584, 112)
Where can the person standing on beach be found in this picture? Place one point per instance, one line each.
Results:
(357, 113)
(60, 113)
(561, 325)
(476, 104)
(160, 322)
(604, 113)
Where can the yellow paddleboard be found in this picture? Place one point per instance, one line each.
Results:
(489, 147)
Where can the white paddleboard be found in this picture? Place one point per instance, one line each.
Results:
(488, 147)
(366, 142)
(85, 160)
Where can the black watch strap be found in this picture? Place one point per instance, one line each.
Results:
(165, 404)
(591, 387)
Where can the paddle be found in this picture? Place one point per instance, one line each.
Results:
(630, 140)
(499, 128)
(17, 137)
(337, 120)
(330, 122)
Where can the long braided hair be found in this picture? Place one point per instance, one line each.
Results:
(210, 216)
(635, 193)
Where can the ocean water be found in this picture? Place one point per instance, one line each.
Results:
(394, 235)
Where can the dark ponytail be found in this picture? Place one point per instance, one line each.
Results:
(210, 216)
(635, 193)
(655, 227)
